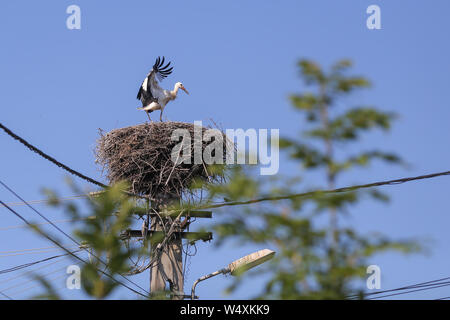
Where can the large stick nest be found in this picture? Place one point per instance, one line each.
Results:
(142, 156)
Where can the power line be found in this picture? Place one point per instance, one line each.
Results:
(26, 265)
(44, 223)
(40, 214)
(233, 203)
(324, 192)
(23, 274)
(75, 256)
(75, 197)
(29, 250)
(36, 284)
(49, 158)
(31, 272)
(31, 280)
(413, 286)
(274, 198)
(61, 165)
(24, 253)
(6, 296)
(64, 233)
(289, 196)
(15, 204)
(422, 285)
(422, 289)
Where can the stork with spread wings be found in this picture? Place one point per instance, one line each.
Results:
(152, 96)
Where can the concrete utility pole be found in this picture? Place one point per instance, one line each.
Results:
(169, 271)
(166, 274)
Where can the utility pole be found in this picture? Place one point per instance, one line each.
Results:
(167, 271)
(168, 268)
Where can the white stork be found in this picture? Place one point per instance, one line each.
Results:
(152, 96)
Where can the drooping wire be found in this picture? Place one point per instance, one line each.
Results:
(64, 233)
(29, 264)
(16, 285)
(75, 256)
(6, 296)
(44, 223)
(322, 192)
(49, 158)
(233, 203)
(29, 250)
(268, 198)
(59, 259)
(421, 285)
(75, 197)
(61, 165)
(37, 284)
(25, 273)
(410, 291)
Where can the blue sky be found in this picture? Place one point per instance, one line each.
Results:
(237, 59)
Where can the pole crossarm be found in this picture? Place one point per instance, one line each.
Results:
(174, 213)
(205, 236)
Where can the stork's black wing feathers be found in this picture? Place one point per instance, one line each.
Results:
(145, 95)
(160, 69)
(139, 95)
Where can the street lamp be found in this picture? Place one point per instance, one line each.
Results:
(239, 266)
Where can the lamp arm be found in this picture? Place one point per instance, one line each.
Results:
(223, 271)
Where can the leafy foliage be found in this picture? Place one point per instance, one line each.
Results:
(110, 212)
(315, 259)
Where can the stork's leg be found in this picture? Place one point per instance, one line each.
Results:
(148, 115)
(160, 115)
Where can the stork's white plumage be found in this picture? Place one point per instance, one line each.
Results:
(152, 96)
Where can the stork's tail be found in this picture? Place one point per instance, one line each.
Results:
(145, 109)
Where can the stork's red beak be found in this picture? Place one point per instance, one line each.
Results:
(184, 89)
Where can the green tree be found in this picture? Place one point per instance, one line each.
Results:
(315, 259)
(109, 213)
(330, 132)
